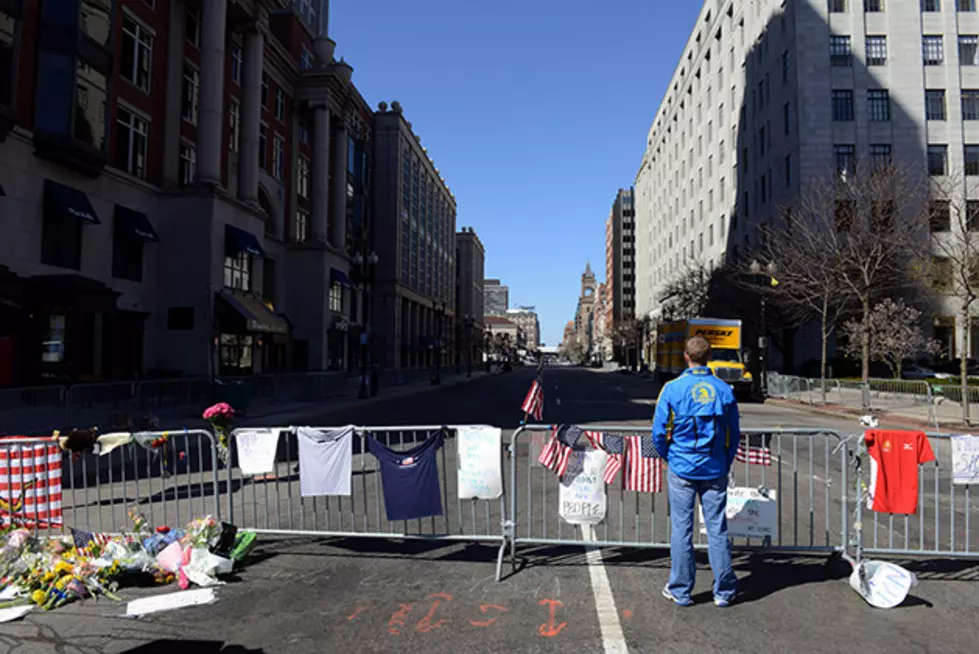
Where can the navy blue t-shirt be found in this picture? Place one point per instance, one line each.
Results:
(410, 479)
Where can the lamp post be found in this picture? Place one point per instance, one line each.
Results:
(469, 323)
(439, 307)
(763, 276)
(367, 265)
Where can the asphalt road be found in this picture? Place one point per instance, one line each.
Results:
(356, 595)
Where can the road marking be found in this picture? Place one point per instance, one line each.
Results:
(608, 617)
(558, 401)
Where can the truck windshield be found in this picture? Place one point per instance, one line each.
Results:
(728, 356)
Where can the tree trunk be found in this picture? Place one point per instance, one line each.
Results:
(964, 365)
(865, 339)
(823, 337)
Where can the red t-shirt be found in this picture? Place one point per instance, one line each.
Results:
(894, 460)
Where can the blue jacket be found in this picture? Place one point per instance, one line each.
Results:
(696, 427)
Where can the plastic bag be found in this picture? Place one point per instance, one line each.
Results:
(203, 568)
(883, 585)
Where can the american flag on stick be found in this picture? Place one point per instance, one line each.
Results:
(643, 472)
(557, 452)
(30, 484)
(533, 404)
(614, 447)
(754, 450)
(86, 541)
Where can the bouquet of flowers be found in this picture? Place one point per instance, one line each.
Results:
(221, 416)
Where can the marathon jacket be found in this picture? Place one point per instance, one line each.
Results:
(696, 425)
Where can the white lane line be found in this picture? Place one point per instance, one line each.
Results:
(608, 617)
(558, 401)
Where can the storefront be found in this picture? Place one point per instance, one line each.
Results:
(251, 337)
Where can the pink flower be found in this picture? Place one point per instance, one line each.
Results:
(219, 410)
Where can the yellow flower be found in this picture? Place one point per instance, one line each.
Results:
(48, 577)
(39, 597)
(63, 567)
(62, 583)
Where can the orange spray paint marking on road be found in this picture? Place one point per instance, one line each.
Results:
(357, 611)
(425, 624)
(485, 608)
(398, 619)
(627, 614)
(549, 629)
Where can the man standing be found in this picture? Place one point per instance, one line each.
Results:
(696, 430)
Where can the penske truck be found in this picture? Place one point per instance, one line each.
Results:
(724, 337)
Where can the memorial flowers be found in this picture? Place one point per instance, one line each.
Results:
(221, 416)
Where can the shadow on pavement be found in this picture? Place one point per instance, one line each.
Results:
(191, 647)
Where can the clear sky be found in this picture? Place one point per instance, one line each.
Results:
(535, 112)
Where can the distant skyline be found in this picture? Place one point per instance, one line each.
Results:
(535, 113)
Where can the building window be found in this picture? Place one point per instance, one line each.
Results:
(937, 160)
(843, 105)
(788, 169)
(880, 156)
(190, 94)
(837, 6)
(265, 89)
(785, 67)
(127, 254)
(308, 11)
(236, 63)
(839, 51)
(278, 156)
(879, 105)
(970, 104)
(965, 5)
(263, 146)
(61, 240)
(935, 104)
(236, 354)
(873, 6)
(301, 231)
(234, 126)
(132, 133)
(302, 177)
(90, 99)
(238, 272)
(931, 5)
(845, 156)
(303, 132)
(305, 58)
(968, 49)
(180, 318)
(336, 298)
(188, 163)
(972, 215)
(876, 50)
(972, 160)
(280, 105)
(933, 53)
(193, 26)
(137, 53)
(939, 216)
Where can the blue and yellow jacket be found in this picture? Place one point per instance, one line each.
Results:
(696, 427)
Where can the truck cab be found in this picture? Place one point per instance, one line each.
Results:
(727, 362)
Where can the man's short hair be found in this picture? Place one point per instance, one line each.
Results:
(698, 349)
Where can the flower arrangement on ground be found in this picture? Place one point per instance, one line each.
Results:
(221, 416)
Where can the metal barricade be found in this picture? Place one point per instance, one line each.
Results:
(87, 402)
(170, 485)
(29, 410)
(273, 504)
(169, 393)
(806, 466)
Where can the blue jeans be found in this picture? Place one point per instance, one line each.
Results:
(683, 567)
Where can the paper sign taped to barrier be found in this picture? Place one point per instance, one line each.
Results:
(479, 470)
(750, 513)
(965, 459)
(582, 490)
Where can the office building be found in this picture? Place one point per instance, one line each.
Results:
(497, 297)
(470, 304)
(416, 284)
(620, 265)
(528, 321)
(183, 190)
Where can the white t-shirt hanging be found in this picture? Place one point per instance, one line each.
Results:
(479, 474)
(325, 460)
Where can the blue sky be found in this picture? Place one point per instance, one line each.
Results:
(535, 111)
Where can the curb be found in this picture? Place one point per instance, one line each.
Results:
(843, 412)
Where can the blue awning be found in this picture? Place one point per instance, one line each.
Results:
(135, 223)
(339, 277)
(238, 240)
(68, 202)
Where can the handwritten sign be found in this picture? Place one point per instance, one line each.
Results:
(479, 472)
(751, 513)
(582, 491)
(965, 459)
(256, 450)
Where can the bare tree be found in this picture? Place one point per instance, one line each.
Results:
(628, 334)
(894, 333)
(688, 294)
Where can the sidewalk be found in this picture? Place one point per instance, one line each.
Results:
(946, 414)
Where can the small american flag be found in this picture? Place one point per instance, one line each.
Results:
(557, 452)
(533, 404)
(643, 472)
(754, 450)
(614, 447)
(85, 540)
(30, 485)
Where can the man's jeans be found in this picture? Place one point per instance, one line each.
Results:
(683, 567)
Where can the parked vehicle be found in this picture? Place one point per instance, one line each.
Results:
(917, 371)
(724, 337)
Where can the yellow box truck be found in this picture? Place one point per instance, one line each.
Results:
(724, 337)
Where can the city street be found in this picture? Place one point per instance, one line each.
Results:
(306, 594)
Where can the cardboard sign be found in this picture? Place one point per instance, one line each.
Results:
(480, 474)
(751, 513)
(965, 459)
(582, 491)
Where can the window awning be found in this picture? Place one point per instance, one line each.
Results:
(339, 277)
(135, 223)
(238, 240)
(257, 316)
(69, 202)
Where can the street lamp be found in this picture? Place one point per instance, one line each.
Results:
(763, 276)
(439, 308)
(367, 265)
(469, 323)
